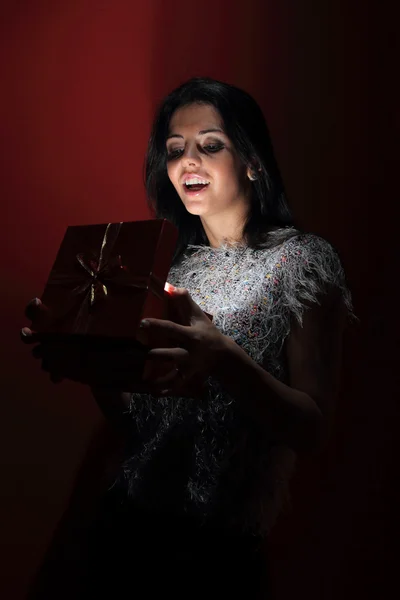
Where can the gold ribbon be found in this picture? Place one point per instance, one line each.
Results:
(101, 274)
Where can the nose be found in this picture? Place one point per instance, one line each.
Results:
(191, 156)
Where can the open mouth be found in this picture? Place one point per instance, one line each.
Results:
(196, 187)
(195, 184)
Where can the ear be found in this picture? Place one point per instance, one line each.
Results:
(253, 169)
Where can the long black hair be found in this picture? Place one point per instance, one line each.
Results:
(245, 125)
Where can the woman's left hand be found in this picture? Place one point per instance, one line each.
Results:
(198, 346)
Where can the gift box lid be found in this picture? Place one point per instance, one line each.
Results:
(107, 277)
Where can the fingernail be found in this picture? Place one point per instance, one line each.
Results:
(144, 323)
(26, 332)
(169, 287)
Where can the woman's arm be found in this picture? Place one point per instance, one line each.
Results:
(297, 414)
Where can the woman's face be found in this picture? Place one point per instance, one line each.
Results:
(203, 165)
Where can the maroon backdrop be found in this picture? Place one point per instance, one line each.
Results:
(82, 80)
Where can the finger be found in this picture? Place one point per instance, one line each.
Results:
(176, 311)
(151, 329)
(184, 387)
(153, 369)
(38, 313)
(177, 355)
(33, 308)
(161, 384)
(184, 304)
(179, 387)
(50, 350)
(28, 336)
(178, 382)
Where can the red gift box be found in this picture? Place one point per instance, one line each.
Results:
(106, 279)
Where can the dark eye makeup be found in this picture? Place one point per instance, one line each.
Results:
(207, 148)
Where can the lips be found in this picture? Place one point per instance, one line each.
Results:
(195, 177)
(194, 190)
(194, 184)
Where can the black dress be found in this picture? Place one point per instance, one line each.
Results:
(126, 552)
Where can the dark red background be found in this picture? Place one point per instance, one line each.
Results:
(82, 79)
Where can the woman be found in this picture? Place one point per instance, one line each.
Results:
(211, 445)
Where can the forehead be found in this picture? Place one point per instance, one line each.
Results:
(194, 118)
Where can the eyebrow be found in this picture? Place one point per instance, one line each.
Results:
(202, 132)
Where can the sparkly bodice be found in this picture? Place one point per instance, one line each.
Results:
(209, 460)
(254, 294)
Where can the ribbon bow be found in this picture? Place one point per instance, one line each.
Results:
(98, 275)
(103, 269)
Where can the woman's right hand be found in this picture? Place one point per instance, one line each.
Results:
(35, 311)
(98, 365)
(92, 364)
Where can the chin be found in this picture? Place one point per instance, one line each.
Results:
(198, 212)
(196, 209)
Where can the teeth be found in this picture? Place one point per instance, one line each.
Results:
(196, 181)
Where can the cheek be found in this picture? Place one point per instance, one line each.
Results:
(172, 173)
(230, 173)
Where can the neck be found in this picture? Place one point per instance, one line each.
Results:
(224, 229)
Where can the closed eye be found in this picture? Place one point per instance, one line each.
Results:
(212, 148)
(174, 153)
(208, 148)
